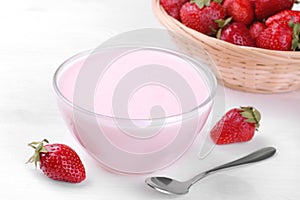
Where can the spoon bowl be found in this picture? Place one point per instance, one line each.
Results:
(168, 185)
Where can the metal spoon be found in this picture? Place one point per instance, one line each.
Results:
(172, 186)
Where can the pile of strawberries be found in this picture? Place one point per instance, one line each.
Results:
(268, 24)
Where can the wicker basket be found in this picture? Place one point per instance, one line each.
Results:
(243, 68)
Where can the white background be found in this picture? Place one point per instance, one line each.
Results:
(36, 36)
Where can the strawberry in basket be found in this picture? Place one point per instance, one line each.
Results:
(240, 10)
(280, 36)
(282, 32)
(172, 7)
(266, 8)
(201, 15)
(285, 16)
(256, 28)
(237, 33)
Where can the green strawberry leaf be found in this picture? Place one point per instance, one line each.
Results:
(247, 115)
(296, 32)
(257, 115)
(207, 2)
(251, 115)
(221, 24)
(219, 32)
(201, 3)
(218, 1)
(38, 147)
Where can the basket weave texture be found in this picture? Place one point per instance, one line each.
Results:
(243, 68)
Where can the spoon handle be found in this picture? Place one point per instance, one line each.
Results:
(256, 156)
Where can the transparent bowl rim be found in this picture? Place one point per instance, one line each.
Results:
(212, 86)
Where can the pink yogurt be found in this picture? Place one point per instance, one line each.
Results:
(135, 110)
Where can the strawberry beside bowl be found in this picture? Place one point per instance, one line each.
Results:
(134, 109)
(249, 69)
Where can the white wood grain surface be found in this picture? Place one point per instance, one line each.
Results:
(37, 36)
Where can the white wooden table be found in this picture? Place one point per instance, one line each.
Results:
(37, 36)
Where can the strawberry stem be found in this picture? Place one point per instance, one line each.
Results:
(39, 147)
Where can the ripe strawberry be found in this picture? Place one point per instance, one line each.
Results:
(279, 36)
(284, 16)
(172, 7)
(240, 10)
(202, 17)
(237, 125)
(237, 33)
(58, 162)
(256, 28)
(266, 8)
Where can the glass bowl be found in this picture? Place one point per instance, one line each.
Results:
(134, 109)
